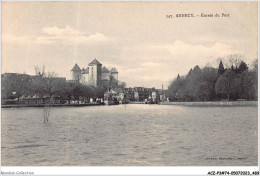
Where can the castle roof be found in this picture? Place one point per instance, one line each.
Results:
(95, 62)
(113, 70)
(104, 70)
(85, 70)
(76, 68)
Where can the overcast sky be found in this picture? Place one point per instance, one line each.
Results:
(147, 48)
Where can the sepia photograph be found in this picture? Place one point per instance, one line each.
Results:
(129, 84)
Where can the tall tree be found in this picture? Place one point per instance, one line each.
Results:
(225, 84)
(206, 88)
(242, 67)
(178, 77)
(221, 69)
(15, 85)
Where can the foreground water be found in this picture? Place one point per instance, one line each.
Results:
(131, 135)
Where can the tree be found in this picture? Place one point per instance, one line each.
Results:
(67, 91)
(178, 77)
(100, 92)
(242, 67)
(232, 67)
(15, 85)
(46, 85)
(174, 88)
(199, 84)
(189, 74)
(249, 85)
(225, 83)
(121, 84)
(78, 92)
(234, 59)
(208, 83)
(205, 90)
(191, 84)
(206, 87)
(221, 69)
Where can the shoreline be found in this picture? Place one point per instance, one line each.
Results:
(213, 103)
(191, 104)
(43, 105)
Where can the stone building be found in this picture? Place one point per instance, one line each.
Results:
(95, 74)
(142, 94)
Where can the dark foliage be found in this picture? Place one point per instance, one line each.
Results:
(221, 69)
(209, 84)
(46, 85)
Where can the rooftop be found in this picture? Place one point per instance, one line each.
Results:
(76, 68)
(95, 62)
(114, 70)
(104, 70)
(85, 70)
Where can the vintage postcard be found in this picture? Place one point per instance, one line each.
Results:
(129, 84)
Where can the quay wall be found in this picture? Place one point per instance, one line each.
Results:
(43, 105)
(213, 103)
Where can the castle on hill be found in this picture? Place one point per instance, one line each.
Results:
(95, 74)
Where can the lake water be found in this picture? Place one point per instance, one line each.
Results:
(130, 135)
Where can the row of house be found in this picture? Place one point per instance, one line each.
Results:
(136, 94)
(36, 99)
(12, 81)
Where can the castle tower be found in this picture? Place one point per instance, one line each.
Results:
(95, 73)
(105, 77)
(84, 75)
(76, 73)
(114, 77)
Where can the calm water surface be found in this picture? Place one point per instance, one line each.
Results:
(138, 135)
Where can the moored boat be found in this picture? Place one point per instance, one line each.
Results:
(111, 101)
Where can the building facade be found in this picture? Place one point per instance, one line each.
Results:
(95, 75)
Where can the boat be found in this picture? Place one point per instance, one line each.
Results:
(111, 101)
(124, 101)
(151, 101)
